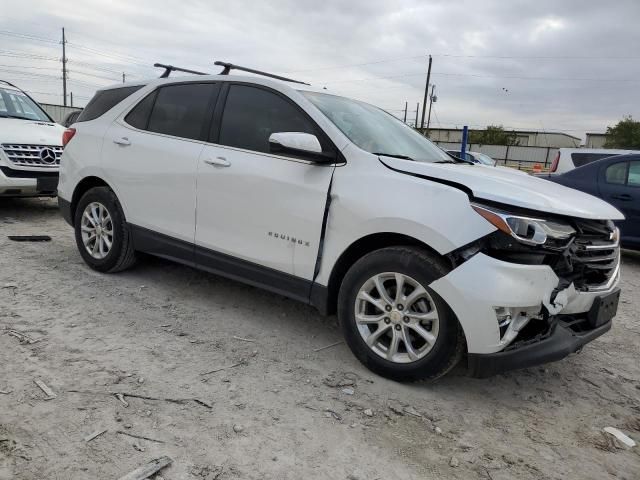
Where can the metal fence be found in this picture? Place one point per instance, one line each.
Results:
(522, 158)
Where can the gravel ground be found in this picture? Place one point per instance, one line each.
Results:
(277, 408)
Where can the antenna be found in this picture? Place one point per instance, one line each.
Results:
(230, 66)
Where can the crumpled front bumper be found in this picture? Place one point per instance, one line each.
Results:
(476, 287)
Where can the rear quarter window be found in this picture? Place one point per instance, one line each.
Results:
(580, 159)
(104, 101)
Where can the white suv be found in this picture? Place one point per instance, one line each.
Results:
(30, 146)
(335, 203)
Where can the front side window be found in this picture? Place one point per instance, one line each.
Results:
(252, 114)
(617, 173)
(15, 104)
(104, 101)
(182, 110)
(374, 130)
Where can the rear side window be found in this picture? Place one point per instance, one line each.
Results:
(252, 114)
(617, 173)
(104, 101)
(580, 159)
(181, 110)
(634, 174)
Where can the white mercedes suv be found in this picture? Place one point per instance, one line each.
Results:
(333, 202)
(30, 146)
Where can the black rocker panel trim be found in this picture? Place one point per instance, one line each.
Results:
(164, 246)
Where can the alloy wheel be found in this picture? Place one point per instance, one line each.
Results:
(96, 228)
(396, 317)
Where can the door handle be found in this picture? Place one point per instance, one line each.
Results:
(218, 162)
(124, 141)
(625, 197)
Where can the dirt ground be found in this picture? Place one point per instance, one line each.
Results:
(276, 408)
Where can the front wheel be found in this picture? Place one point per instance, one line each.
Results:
(102, 234)
(393, 322)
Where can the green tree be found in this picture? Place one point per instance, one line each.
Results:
(626, 134)
(493, 135)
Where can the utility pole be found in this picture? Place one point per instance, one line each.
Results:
(432, 98)
(64, 68)
(71, 95)
(123, 76)
(405, 112)
(417, 110)
(426, 91)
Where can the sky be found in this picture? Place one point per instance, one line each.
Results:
(570, 65)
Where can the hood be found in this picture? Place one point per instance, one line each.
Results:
(511, 187)
(30, 132)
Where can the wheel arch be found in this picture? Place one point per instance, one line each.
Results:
(83, 187)
(355, 251)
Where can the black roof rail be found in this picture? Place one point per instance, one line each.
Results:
(230, 66)
(171, 68)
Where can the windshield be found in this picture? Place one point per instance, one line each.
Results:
(485, 159)
(376, 131)
(15, 104)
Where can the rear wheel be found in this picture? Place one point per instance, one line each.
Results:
(393, 322)
(102, 234)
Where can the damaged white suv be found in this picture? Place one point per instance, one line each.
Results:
(30, 146)
(333, 202)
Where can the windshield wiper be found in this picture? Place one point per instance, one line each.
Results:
(393, 155)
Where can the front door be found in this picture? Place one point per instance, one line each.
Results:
(259, 212)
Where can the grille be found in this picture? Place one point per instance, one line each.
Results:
(41, 156)
(595, 254)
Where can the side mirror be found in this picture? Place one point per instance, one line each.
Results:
(299, 144)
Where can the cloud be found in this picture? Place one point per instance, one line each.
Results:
(529, 64)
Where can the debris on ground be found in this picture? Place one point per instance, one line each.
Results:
(148, 470)
(241, 362)
(139, 437)
(348, 391)
(244, 339)
(238, 428)
(621, 437)
(332, 413)
(5, 392)
(438, 430)
(368, 412)
(95, 434)
(29, 238)
(23, 338)
(328, 346)
(120, 397)
(412, 411)
(454, 462)
(206, 472)
(48, 392)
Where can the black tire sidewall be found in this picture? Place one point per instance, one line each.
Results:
(106, 197)
(423, 268)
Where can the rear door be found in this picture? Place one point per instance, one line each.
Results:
(620, 185)
(258, 207)
(151, 157)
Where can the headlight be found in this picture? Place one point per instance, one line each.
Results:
(528, 230)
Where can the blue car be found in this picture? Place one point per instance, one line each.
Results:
(615, 180)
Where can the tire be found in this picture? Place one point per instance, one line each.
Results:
(425, 359)
(120, 255)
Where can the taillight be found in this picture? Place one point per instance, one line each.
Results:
(67, 136)
(554, 165)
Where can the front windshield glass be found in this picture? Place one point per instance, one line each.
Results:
(374, 130)
(485, 159)
(15, 104)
